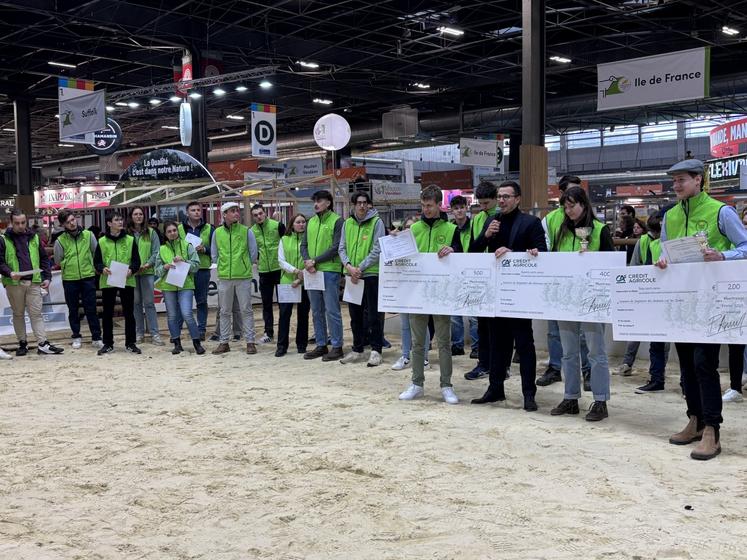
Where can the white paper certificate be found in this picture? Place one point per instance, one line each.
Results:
(313, 281)
(683, 250)
(289, 294)
(559, 286)
(353, 292)
(29, 272)
(178, 275)
(193, 240)
(118, 277)
(397, 246)
(458, 284)
(697, 302)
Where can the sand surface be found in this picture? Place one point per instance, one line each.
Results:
(233, 457)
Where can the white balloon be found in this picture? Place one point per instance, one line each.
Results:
(332, 132)
(185, 124)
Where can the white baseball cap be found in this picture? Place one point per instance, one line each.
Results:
(227, 206)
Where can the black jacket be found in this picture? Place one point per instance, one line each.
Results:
(526, 233)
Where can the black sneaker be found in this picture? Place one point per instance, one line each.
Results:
(237, 337)
(650, 387)
(566, 406)
(47, 348)
(215, 338)
(105, 349)
(23, 348)
(550, 376)
(587, 380)
(530, 404)
(132, 349)
(457, 350)
(280, 352)
(477, 373)
(385, 343)
(597, 412)
(474, 354)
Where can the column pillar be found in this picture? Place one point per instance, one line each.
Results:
(200, 142)
(24, 188)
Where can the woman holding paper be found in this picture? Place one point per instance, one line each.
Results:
(581, 231)
(147, 242)
(176, 254)
(291, 280)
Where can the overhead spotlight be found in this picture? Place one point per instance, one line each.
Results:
(726, 30)
(305, 64)
(264, 84)
(110, 108)
(219, 92)
(57, 116)
(133, 104)
(154, 101)
(195, 95)
(121, 104)
(169, 127)
(451, 31)
(322, 101)
(560, 59)
(62, 64)
(9, 130)
(241, 89)
(175, 99)
(66, 145)
(235, 117)
(421, 86)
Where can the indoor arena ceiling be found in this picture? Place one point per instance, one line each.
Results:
(371, 57)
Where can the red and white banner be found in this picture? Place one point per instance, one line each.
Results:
(86, 196)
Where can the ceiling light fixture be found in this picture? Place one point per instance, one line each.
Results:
(560, 59)
(175, 99)
(110, 108)
(264, 84)
(308, 64)
(241, 89)
(451, 31)
(66, 145)
(322, 101)
(9, 130)
(195, 95)
(133, 104)
(726, 30)
(421, 86)
(121, 104)
(235, 117)
(219, 92)
(61, 64)
(155, 101)
(169, 127)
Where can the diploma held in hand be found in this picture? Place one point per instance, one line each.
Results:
(313, 281)
(683, 250)
(118, 276)
(29, 272)
(193, 240)
(287, 293)
(178, 275)
(353, 292)
(400, 246)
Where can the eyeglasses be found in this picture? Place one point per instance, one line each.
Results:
(505, 196)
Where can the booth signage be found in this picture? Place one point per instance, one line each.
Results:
(649, 80)
(106, 141)
(484, 153)
(726, 168)
(726, 138)
(301, 168)
(394, 192)
(81, 113)
(447, 180)
(86, 196)
(166, 165)
(185, 124)
(264, 135)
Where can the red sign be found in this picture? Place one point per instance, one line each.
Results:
(726, 139)
(553, 191)
(233, 170)
(638, 190)
(183, 76)
(348, 173)
(448, 180)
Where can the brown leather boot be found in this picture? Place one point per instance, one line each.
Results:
(688, 435)
(708, 447)
(317, 352)
(251, 348)
(222, 348)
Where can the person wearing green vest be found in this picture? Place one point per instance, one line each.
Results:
(178, 299)
(319, 249)
(463, 223)
(647, 251)
(147, 242)
(291, 263)
(117, 246)
(26, 271)
(697, 214)
(234, 250)
(551, 223)
(579, 213)
(267, 232)
(433, 234)
(74, 249)
(359, 253)
(195, 225)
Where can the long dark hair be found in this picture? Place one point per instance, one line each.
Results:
(289, 230)
(131, 224)
(575, 195)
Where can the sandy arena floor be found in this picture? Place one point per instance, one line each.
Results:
(234, 457)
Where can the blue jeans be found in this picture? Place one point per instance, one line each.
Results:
(178, 309)
(145, 307)
(325, 309)
(202, 284)
(407, 337)
(570, 335)
(457, 331)
(555, 348)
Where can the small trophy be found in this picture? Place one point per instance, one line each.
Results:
(583, 233)
(702, 235)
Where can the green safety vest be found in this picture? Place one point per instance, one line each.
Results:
(77, 260)
(268, 239)
(143, 249)
(205, 237)
(120, 251)
(465, 236)
(553, 221)
(359, 240)
(168, 251)
(478, 223)
(319, 235)
(649, 249)
(292, 251)
(11, 259)
(699, 213)
(431, 239)
(572, 243)
(234, 262)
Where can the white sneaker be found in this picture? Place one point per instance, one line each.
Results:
(77, 343)
(265, 339)
(351, 357)
(624, 370)
(98, 344)
(156, 340)
(374, 359)
(412, 392)
(732, 396)
(426, 364)
(4, 355)
(449, 395)
(744, 378)
(402, 363)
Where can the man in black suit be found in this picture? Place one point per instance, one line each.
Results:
(511, 230)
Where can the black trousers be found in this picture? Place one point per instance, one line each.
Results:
(370, 305)
(699, 372)
(503, 332)
(267, 283)
(77, 292)
(126, 298)
(302, 323)
(483, 350)
(736, 366)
